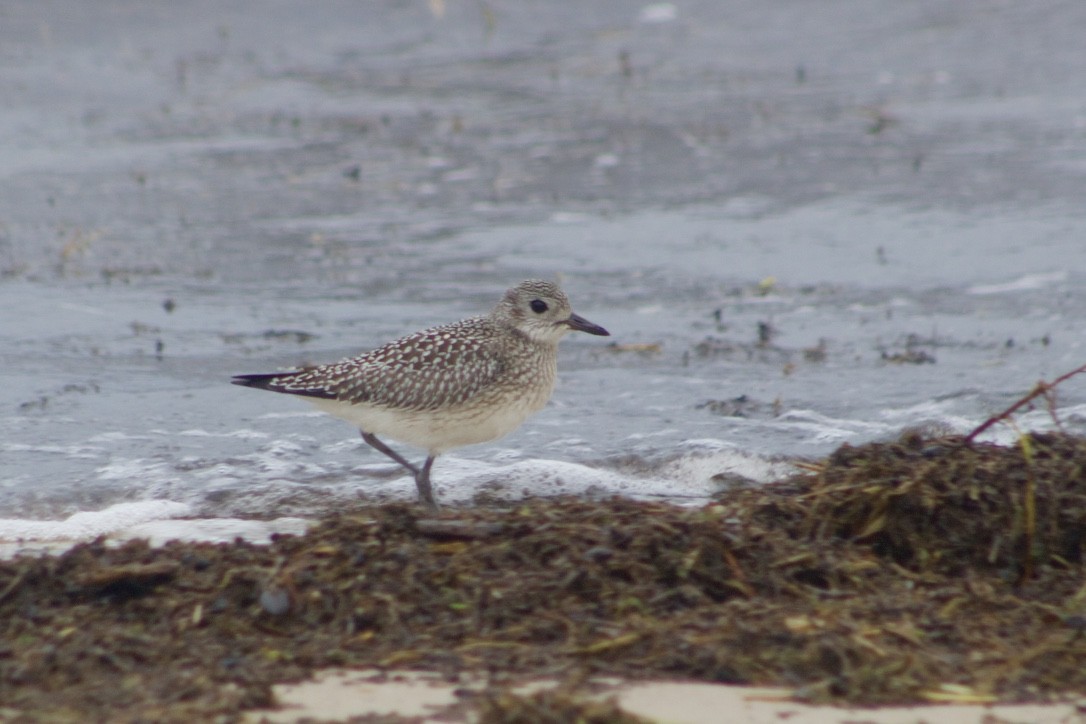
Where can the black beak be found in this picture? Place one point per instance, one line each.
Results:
(580, 324)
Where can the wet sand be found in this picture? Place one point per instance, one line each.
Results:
(340, 695)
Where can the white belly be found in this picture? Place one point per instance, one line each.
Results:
(436, 430)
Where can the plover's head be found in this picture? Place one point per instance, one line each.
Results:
(541, 310)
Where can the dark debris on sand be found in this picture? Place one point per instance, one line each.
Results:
(890, 572)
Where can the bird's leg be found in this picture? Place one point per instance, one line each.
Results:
(422, 482)
(422, 477)
(376, 444)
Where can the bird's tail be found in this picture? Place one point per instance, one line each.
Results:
(282, 382)
(260, 381)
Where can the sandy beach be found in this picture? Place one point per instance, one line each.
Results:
(337, 695)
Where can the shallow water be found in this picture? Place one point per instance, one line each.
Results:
(798, 236)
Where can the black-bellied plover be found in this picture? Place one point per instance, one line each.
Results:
(441, 388)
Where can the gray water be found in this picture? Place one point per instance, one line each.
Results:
(804, 224)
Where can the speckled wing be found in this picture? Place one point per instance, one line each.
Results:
(439, 367)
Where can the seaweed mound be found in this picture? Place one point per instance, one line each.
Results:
(923, 569)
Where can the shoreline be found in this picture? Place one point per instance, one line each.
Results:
(883, 574)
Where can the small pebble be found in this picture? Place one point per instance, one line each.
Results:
(275, 600)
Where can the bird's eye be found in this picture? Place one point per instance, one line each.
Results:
(538, 306)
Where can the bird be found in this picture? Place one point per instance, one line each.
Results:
(448, 386)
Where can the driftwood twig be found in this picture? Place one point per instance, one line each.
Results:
(1041, 389)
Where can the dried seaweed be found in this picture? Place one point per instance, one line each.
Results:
(923, 569)
(550, 707)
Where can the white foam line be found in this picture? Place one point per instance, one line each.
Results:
(91, 524)
(1024, 283)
